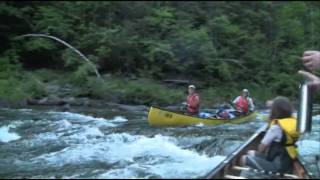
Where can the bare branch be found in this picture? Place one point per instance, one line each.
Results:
(66, 44)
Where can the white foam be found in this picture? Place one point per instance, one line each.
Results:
(127, 146)
(75, 116)
(316, 117)
(85, 118)
(6, 136)
(15, 124)
(81, 134)
(308, 147)
(192, 167)
(74, 154)
(5, 109)
(185, 140)
(64, 124)
(25, 110)
(200, 125)
(46, 137)
(104, 124)
(123, 173)
(167, 159)
(119, 119)
(93, 132)
(175, 163)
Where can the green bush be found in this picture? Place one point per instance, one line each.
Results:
(11, 89)
(80, 76)
(10, 78)
(16, 84)
(34, 88)
(141, 91)
(144, 91)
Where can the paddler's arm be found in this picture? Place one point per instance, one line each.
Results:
(234, 102)
(197, 100)
(268, 138)
(251, 105)
(262, 148)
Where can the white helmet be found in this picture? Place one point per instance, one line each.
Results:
(192, 86)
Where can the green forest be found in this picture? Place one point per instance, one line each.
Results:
(221, 47)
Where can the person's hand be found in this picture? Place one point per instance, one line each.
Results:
(311, 60)
(314, 81)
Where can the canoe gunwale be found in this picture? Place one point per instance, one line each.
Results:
(221, 167)
(179, 113)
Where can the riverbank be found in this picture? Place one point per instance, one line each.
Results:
(65, 90)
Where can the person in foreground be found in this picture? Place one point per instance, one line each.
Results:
(193, 101)
(244, 104)
(277, 151)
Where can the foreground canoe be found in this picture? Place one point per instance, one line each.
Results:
(230, 168)
(161, 117)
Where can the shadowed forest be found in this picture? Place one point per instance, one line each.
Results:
(140, 47)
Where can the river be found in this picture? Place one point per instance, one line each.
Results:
(110, 143)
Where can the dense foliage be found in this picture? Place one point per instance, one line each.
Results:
(220, 44)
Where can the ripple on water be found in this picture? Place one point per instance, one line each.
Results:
(74, 145)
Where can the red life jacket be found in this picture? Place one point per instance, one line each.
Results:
(193, 108)
(242, 105)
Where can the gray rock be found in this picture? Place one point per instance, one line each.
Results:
(43, 101)
(66, 107)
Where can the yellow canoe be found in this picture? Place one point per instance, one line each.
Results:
(161, 117)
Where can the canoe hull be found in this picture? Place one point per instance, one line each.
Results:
(230, 168)
(161, 117)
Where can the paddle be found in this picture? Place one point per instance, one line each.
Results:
(304, 116)
(183, 107)
(232, 105)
